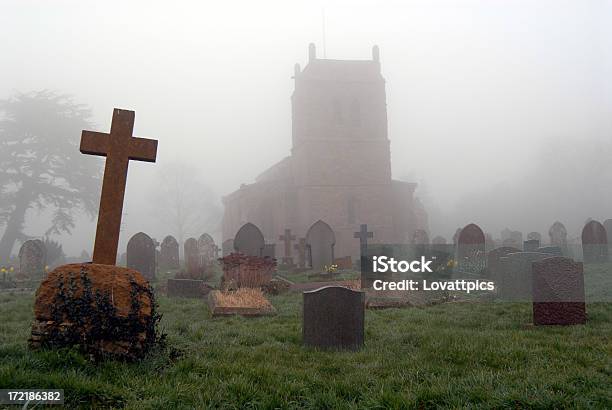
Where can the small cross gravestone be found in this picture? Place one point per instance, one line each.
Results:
(287, 239)
(32, 257)
(334, 318)
(141, 255)
(558, 292)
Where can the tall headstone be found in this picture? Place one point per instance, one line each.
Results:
(471, 249)
(206, 250)
(192, 257)
(141, 255)
(594, 243)
(320, 241)
(558, 292)
(32, 257)
(169, 253)
(516, 275)
(334, 318)
(249, 240)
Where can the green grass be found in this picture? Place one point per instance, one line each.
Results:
(454, 355)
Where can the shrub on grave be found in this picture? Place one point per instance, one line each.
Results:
(104, 310)
(243, 271)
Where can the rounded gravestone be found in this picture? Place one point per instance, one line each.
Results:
(249, 240)
(558, 235)
(141, 255)
(320, 241)
(169, 253)
(471, 249)
(32, 256)
(594, 243)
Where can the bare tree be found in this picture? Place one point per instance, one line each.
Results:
(183, 202)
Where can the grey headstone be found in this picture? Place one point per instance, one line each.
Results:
(249, 240)
(206, 250)
(494, 264)
(141, 255)
(558, 292)
(32, 257)
(334, 318)
(192, 257)
(594, 243)
(320, 241)
(516, 275)
(169, 253)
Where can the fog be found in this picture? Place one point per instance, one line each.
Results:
(499, 110)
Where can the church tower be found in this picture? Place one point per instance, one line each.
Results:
(339, 129)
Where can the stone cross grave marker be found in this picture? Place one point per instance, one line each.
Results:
(558, 292)
(287, 238)
(334, 318)
(300, 247)
(119, 147)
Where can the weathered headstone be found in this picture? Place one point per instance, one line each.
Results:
(471, 249)
(494, 264)
(320, 241)
(206, 250)
(192, 257)
(594, 243)
(119, 147)
(531, 245)
(516, 275)
(169, 253)
(249, 240)
(32, 257)
(558, 292)
(334, 318)
(141, 255)
(287, 239)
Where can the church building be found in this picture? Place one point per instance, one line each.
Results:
(338, 175)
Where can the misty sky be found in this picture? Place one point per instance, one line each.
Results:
(479, 93)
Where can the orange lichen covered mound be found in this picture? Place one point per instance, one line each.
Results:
(105, 310)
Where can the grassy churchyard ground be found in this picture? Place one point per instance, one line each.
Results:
(476, 355)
